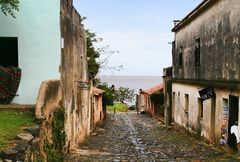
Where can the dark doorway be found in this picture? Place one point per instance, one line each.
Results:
(233, 116)
(200, 116)
(233, 110)
(213, 119)
(9, 51)
(92, 99)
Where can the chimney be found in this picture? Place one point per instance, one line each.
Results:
(176, 22)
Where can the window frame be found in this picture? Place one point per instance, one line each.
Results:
(197, 52)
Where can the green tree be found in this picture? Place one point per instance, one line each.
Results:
(95, 63)
(107, 95)
(8, 6)
(92, 54)
(106, 53)
(157, 98)
(123, 94)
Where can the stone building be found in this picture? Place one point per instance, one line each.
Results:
(74, 91)
(74, 81)
(150, 107)
(51, 50)
(206, 70)
(97, 113)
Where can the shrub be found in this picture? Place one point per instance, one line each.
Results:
(157, 98)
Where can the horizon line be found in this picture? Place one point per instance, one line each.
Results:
(130, 75)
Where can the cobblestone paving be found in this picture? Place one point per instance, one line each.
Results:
(134, 137)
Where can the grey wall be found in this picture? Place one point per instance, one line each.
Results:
(218, 28)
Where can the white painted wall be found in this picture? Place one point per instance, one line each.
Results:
(37, 26)
(192, 91)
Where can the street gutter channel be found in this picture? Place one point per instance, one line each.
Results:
(135, 140)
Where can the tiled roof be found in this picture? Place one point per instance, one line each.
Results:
(97, 91)
(156, 88)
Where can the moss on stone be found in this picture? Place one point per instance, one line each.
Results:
(55, 150)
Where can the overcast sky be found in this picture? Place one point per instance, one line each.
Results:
(139, 29)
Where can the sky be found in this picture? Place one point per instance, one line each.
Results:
(139, 29)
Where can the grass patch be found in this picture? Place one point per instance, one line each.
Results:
(118, 107)
(11, 123)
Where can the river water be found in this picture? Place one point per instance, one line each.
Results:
(132, 82)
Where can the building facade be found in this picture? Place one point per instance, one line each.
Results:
(96, 107)
(32, 41)
(206, 56)
(154, 109)
(52, 54)
(74, 92)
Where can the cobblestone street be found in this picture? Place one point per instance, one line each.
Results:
(138, 137)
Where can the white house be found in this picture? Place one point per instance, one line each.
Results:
(32, 41)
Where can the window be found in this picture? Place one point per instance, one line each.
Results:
(173, 106)
(186, 102)
(173, 100)
(173, 48)
(225, 111)
(181, 57)
(197, 52)
(178, 100)
(200, 108)
(8, 51)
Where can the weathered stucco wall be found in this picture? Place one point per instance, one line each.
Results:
(73, 93)
(191, 120)
(218, 28)
(49, 98)
(74, 78)
(96, 110)
(150, 109)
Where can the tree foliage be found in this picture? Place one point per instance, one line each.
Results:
(157, 98)
(124, 94)
(107, 95)
(92, 54)
(95, 63)
(106, 53)
(8, 6)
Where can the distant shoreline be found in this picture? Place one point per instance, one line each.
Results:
(132, 82)
(129, 76)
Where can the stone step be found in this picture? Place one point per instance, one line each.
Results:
(33, 130)
(25, 137)
(9, 154)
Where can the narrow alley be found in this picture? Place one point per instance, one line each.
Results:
(138, 137)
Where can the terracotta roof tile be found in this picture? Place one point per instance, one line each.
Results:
(97, 91)
(154, 89)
